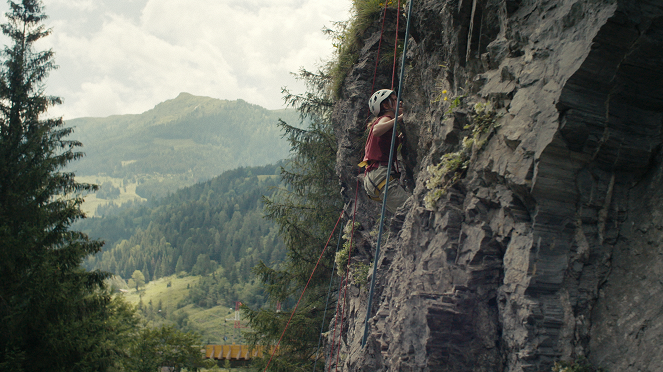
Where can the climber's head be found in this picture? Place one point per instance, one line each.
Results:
(375, 103)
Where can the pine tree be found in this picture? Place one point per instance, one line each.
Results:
(305, 211)
(48, 303)
(179, 267)
(139, 279)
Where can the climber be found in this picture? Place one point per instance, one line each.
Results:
(383, 105)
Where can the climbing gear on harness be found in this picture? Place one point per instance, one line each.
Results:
(379, 187)
(377, 98)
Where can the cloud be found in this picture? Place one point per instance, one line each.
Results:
(126, 56)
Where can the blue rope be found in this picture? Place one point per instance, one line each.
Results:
(331, 280)
(386, 187)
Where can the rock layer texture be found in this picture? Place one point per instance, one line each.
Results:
(548, 246)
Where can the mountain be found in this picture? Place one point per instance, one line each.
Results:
(178, 143)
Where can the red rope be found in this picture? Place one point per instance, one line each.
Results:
(338, 303)
(304, 291)
(343, 284)
(340, 289)
(377, 59)
(398, 18)
(347, 273)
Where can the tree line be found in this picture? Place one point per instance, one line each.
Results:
(212, 227)
(305, 209)
(162, 148)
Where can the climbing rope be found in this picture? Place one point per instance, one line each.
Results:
(304, 291)
(341, 284)
(391, 153)
(393, 69)
(386, 187)
(324, 316)
(347, 273)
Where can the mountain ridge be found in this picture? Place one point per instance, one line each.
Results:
(179, 142)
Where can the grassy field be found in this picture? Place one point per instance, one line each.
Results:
(211, 323)
(127, 193)
(158, 290)
(214, 325)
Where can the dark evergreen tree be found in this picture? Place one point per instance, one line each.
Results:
(306, 210)
(48, 304)
(165, 347)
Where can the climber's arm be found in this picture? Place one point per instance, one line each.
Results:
(382, 126)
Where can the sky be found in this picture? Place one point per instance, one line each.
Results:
(126, 56)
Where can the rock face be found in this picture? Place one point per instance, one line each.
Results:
(548, 247)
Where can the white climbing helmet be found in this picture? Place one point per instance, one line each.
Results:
(376, 100)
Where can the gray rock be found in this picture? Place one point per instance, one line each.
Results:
(548, 247)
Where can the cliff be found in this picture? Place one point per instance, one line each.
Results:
(545, 244)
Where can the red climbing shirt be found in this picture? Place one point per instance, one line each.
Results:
(378, 147)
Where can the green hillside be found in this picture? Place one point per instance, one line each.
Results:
(214, 230)
(178, 143)
(160, 303)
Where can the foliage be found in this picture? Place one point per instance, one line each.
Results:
(360, 273)
(484, 118)
(165, 347)
(442, 97)
(445, 174)
(453, 165)
(48, 303)
(305, 210)
(343, 255)
(108, 191)
(455, 103)
(347, 39)
(138, 279)
(160, 304)
(579, 365)
(212, 227)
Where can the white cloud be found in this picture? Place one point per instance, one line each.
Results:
(84, 5)
(125, 56)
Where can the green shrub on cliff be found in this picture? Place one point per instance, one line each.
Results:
(579, 365)
(343, 255)
(347, 39)
(452, 165)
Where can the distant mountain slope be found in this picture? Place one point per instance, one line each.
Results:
(180, 142)
(216, 226)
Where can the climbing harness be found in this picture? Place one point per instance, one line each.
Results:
(379, 188)
(386, 189)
